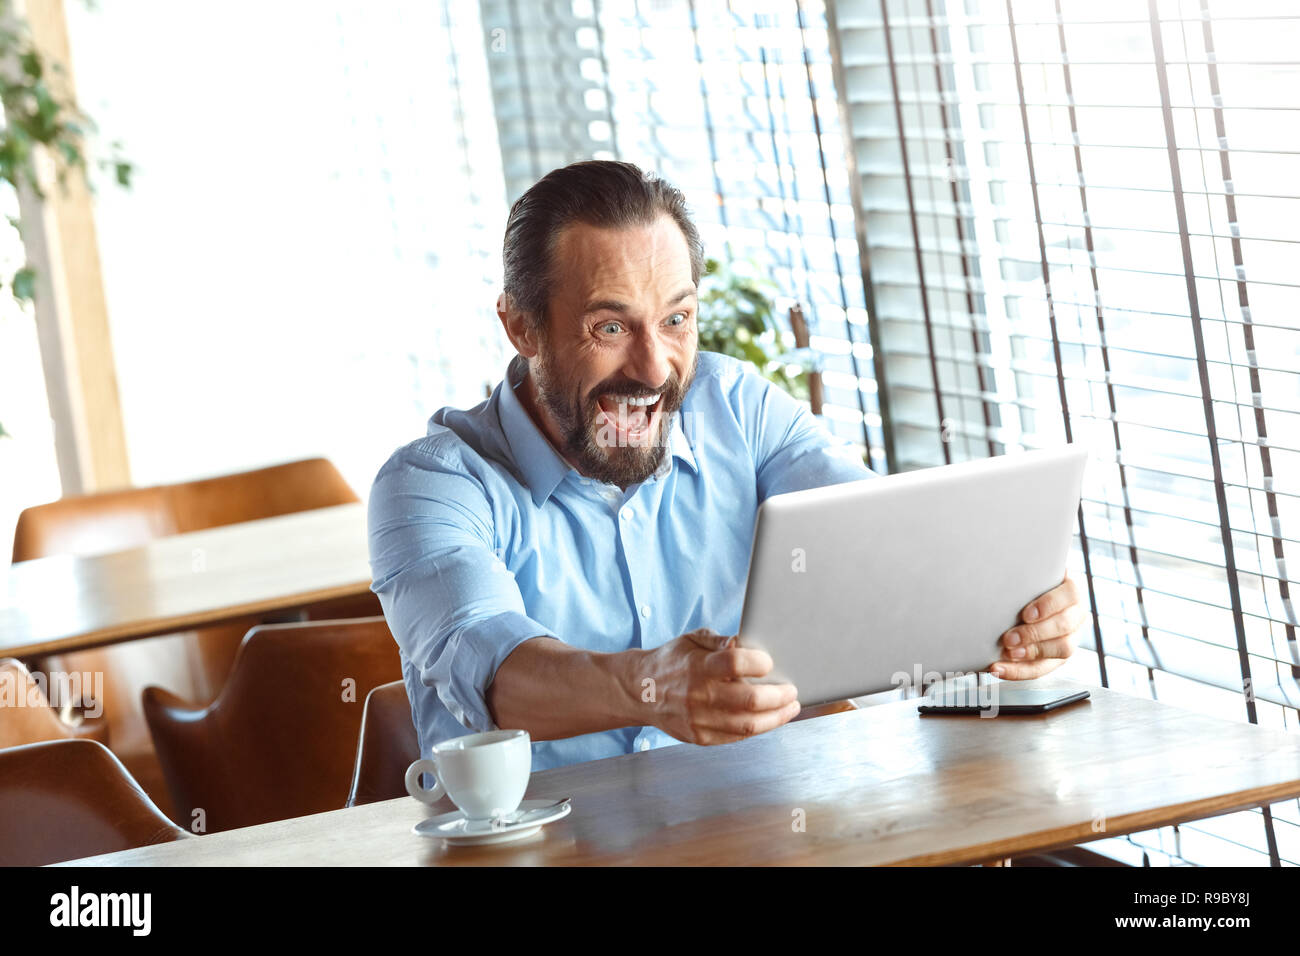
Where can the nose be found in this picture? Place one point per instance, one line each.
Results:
(647, 360)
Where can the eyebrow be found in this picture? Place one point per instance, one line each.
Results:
(615, 305)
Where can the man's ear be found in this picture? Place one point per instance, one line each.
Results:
(519, 327)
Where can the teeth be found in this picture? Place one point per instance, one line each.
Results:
(643, 400)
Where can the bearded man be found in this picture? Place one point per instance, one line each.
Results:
(569, 557)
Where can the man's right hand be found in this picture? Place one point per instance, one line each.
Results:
(700, 695)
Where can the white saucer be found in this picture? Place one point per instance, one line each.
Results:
(456, 829)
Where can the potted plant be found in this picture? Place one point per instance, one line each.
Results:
(737, 317)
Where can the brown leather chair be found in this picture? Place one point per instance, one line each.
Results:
(389, 744)
(26, 716)
(66, 799)
(280, 739)
(193, 665)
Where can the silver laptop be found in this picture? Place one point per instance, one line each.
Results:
(861, 587)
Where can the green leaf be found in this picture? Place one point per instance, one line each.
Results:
(30, 62)
(38, 114)
(24, 283)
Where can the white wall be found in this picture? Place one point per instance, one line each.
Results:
(29, 472)
(303, 265)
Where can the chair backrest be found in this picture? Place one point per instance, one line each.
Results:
(388, 745)
(280, 739)
(113, 520)
(66, 799)
(26, 714)
(194, 664)
(264, 493)
(93, 524)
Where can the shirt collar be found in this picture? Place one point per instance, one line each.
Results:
(679, 445)
(540, 465)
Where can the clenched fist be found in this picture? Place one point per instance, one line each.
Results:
(701, 695)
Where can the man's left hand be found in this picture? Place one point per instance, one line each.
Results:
(1044, 636)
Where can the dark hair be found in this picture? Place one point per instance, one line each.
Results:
(598, 193)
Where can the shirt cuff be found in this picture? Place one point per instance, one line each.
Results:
(466, 668)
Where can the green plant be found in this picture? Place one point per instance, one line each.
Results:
(737, 317)
(39, 117)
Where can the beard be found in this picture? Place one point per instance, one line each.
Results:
(606, 442)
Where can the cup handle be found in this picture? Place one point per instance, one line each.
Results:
(434, 793)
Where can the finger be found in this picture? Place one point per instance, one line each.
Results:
(1051, 602)
(742, 696)
(732, 663)
(720, 727)
(1058, 625)
(1011, 670)
(1056, 647)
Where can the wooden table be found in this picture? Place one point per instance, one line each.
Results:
(874, 786)
(171, 584)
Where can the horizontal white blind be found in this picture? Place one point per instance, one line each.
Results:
(1080, 222)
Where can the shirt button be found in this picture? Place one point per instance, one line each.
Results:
(626, 514)
(645, 610)
(645, 744)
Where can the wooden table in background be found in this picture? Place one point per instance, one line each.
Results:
(175, 583)
(874, 786)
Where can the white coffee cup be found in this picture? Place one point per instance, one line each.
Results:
(484, 774)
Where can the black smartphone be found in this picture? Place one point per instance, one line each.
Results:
(996, 699)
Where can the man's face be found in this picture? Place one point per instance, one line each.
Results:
(619, 347)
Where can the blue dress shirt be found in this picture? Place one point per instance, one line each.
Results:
(482, 537)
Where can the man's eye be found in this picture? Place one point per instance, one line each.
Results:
(677, 318)
(610, 328)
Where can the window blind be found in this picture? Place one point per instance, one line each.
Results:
(1078, 221)
(733, 103)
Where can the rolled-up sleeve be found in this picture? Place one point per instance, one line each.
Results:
(793, 451)
(452, 604)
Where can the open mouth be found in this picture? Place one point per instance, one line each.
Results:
(630, 418)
